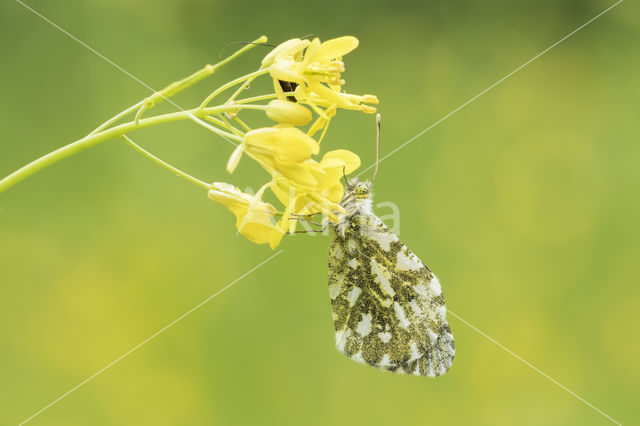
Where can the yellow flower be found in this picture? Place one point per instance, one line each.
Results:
(316, 70)
(253, 217)
(280, 150)
(320, 61)
(311, 74)
(335, 165)
(303, 185)
(320, 198)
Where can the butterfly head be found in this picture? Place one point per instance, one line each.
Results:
(359, 190)
(357, 200)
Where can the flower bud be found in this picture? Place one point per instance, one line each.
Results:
(288, 113)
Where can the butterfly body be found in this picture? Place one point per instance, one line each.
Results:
(388, 308)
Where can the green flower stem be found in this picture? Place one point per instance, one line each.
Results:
(232, 83)
(228, 136)
(242, 123)
(262, 98)
(117, 118)
(214, 120)
(115, 132)
(229, 126)
(180, 85)
(242, 87)
(165, 164)
(105, 132)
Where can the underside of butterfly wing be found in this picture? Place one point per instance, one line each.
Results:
(388, 308)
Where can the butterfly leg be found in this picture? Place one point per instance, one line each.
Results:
(308, 231)
(305, 218)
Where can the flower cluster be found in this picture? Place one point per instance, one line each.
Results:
(306, 79)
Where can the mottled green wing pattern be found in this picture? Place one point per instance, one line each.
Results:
(388, 308)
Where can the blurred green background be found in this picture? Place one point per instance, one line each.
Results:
(525, 203)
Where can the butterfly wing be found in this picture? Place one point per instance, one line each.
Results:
(388, 308)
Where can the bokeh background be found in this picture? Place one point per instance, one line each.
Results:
(525, 203)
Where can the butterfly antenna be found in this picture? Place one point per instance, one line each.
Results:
(245, 43)
(375, 171)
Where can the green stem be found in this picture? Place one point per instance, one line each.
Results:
(226, 124)
(165, 164)
(232, 83)
(261, 98)
(242, 123)
(242, 87)
(105, 132)
(180, 85)
(117, 118)
(113, 132)
(228, 136)
(214, 120)
(229, 126)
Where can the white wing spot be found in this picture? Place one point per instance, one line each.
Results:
(335, 288)
(414, 351)
(364, 326)
(416, 308)
(434, 286)
(384, 336)
(353, 296)
(353, 263)
(384, 239)
(385, 361)
(382, 277)
(386, 302)
(408, 262)
(448, 338)
(341, 338)
(430, 370)
(337, 252)
(351, 246)
(442, 312)
(404, 322)
(358, 357)
(433, 336)
(421, 290)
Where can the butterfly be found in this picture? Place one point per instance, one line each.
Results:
(388, 308)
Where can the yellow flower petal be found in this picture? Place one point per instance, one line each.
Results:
(322, 122)
(310, 52)
(339, 158)
(334, 193)
(276, 238)
(288, 48)
(286, 70)
(235, 158)
(336, 48)
(253, 217)
(256, 227)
